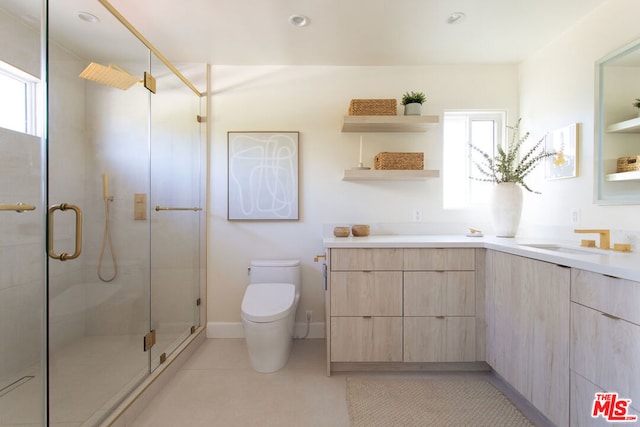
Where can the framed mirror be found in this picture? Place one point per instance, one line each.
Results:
(617, 127)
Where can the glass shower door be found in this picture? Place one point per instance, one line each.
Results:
(177, 212)
(22, 207)
(98, 146)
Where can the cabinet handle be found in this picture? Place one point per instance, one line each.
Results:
(439, 317)
(366, 317)
(610, 316)
(608, 275)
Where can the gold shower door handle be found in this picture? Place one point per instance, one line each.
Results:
(166, 208)
(64, 207)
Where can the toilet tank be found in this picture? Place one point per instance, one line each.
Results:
(275, 271)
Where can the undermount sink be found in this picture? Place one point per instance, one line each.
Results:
(567, 249)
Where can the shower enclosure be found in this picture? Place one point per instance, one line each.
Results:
(101, 220)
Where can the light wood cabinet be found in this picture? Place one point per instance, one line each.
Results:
(439, 310)
(366, 293)
(402, 305)
(439, 293)
(605, 337)
(439, 259)
(440, 339)
(527, 312)
(365, 305)
(366, 339)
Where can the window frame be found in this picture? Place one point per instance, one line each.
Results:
(32, 87)
(467, 167)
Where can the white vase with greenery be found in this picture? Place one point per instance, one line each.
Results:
(507, 170)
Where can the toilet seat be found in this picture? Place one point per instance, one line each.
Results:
(267, 302)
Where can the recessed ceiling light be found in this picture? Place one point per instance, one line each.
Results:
(456, 18)
(88, 17)
(299, 20)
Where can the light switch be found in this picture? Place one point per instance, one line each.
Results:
(140, 206)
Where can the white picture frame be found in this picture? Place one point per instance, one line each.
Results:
(563, 143)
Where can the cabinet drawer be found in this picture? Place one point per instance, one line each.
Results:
(366, 259)
(366, 339)
(373, 293)
(439, 293)
(439, 339)
(582, 395)
(606, 351)
(611, 295)
(439, 259)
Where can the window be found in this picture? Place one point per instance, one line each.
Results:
(18, 103)
(484, 130)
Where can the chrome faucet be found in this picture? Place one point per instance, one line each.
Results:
(604, 237)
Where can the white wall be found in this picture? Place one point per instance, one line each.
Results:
(556, 89)
(313, 101)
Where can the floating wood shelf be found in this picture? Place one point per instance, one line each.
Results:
(623, 176)
(628, 126)
(388, 175)
(388, 123)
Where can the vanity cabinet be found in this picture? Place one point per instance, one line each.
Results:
(366, 305)
(527, 314)
(439, 305)
(605, 341)
(401, 305)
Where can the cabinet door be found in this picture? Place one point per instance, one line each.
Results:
(606, 351)
(439, 259)
(366, 339)
(373, 293)
(528, 329)
(366, 259)
(439, 293)
(439, 339)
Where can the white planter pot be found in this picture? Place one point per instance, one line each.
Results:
(413, 109)
(506, 207)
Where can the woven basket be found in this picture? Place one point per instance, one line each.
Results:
(628, 164)
(399, 161)
(373, 107)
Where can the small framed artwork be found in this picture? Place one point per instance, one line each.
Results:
(564, 144)
(262, 175)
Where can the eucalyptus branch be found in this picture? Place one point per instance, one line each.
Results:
(507, 166)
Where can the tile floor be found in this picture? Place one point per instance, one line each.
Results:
(218, 387)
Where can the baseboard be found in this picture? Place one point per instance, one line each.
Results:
(234, 330)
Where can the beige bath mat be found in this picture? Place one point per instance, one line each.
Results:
(381, 402)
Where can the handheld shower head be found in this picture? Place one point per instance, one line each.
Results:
(112, 76)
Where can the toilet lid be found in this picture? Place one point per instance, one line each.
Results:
(266, 302)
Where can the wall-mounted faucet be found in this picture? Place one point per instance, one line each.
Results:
(604, 237)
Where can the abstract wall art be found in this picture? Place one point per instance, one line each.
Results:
(262, 175)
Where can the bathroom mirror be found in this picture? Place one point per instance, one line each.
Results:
(617, 127)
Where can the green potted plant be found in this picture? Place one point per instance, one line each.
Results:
(636, 104)
(508, 170)
(412, 102)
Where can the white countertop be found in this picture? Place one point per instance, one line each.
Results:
(618, 264)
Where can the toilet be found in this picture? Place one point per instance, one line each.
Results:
(269, 310)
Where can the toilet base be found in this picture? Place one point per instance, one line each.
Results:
(269, 344)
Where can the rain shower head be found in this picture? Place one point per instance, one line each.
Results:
(112, 75)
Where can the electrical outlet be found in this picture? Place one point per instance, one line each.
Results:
(575, 216)
(308, 314)
(417, 214)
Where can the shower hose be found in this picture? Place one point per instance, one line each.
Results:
(107, 238)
